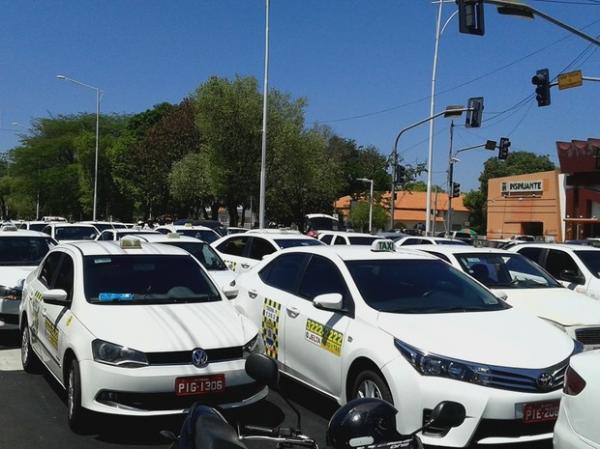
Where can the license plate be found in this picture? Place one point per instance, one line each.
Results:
(192, 386)
(536, 412)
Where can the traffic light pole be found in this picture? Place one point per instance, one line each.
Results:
(394, 159)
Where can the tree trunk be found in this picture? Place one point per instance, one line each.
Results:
(233, 215)
(214, 211)
(243, 220)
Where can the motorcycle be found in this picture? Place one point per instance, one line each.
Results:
(364, 423)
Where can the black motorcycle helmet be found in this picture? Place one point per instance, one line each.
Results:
(363, 422)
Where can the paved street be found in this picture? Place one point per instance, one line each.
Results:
(34, 416)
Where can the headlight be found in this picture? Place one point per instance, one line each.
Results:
(111, 354)
(256, 345)
(435, 365)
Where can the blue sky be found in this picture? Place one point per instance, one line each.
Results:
(347, 57)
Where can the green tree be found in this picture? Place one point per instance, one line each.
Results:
(517, 163)
(421, 186)
(190, 184)
(359, 216)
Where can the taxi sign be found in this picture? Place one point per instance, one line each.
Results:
(130, 243)
(383, 245)
(173, 235)
(570, 79)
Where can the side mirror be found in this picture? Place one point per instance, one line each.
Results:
(329, 301)
(57, 297)
(263, 369)
(448, 414)
(230, 292)
(571, 276)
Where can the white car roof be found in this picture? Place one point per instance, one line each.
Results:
(320, 216)
(132, 231)
(359, 252)
(99, 222)
(71, 225)
(184, 227)
(103, 248)
(556, 246)
(162, 238)
(457, 249)
(23, 233)
(347, 234)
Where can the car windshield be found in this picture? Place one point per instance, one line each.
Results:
(591, 259)
(362, 240)
(203, 252)
(419, 286)
(289, 243)
(205, 235)
(23, 251)
(37, 226)
(146, 279)
(450, 242)
(119, 235)
(101, 226)
(119, 226)
(323, 224)
(75, 233)
(505, 271)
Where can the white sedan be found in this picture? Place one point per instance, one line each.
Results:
(526, 286)
(135, 329)
(352, 321)
(577, 425)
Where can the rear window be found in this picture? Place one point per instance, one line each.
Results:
(75, 233)
(289, 243)
(205, 235)
(146, 279)
(362, 240)
(23, 251)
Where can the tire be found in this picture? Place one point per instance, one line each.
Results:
(29, 359)
(371, 384)
(77, 416)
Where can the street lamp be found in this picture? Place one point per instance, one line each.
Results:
(98, 94)
(370, 203)
(263, 153)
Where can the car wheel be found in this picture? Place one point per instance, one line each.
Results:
(371, 384)
(29, 359)
(76, 414)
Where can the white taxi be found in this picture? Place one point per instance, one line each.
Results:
(133, 328)
(199, 232)
(109, 235)
(20, 253)
(70, 232)
(202, 251)
(526, 286)
(351, 322)
(242, 251)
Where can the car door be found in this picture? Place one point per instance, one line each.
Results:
(314, 338)
(558, 263)
(232, 250)
(256, 250)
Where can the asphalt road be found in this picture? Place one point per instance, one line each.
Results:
(33, 414)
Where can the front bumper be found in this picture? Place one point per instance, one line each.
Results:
(491, 413)
(150, 390)
(565, 436)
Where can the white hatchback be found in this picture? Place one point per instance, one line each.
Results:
(352, 322)
(135, 329)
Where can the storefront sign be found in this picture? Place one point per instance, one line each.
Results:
(522, 187)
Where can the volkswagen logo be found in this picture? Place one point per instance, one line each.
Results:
(199, 358)
(544, 381)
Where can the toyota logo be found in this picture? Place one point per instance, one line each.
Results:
(199, 358)
(544, 381)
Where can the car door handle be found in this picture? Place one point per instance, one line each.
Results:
(252, 294)
(245, 265)
(293, 312)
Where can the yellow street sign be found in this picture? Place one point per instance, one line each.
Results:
(570, 79)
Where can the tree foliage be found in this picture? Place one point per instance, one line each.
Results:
(359, 216)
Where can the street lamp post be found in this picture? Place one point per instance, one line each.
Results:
(370, 202)
(263, 154)
(98, 94)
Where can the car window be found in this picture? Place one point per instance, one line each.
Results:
(47, 230)
(284, 271)
(414, 242)
(290, 243)
(203, 252)
(64, 276)
(531, 253)
(500, 270)
(38, 227)
(260, 248)
(556, 261)
(327, 239)
(48, 269)
(339, 240)
(75, 233)
(24, 251)
(591, 260)
(362, 240)
(419, 286)
(106, 235)
(322, 276)
(163, 230)
(233, 246)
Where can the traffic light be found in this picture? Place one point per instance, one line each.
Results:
(400, 174)
(470, 17)
(541, 79)
(503, 147)
(455, 189)
(474, 116)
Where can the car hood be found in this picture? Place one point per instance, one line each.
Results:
(561, 305)
(506, 338)
(10, 276)
(222, 277)
(173, 327)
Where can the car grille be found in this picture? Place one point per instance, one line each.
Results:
(588, 335)
(170, 401)
(526, 380)
(185, 357)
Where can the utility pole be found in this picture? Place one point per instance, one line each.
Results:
(450, 181)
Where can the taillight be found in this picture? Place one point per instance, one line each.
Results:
(574, 384)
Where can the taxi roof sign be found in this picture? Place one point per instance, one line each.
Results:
(383, 245)
(133, 243)
(173, 235)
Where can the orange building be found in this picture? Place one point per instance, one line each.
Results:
(527, 204)
(410, 208)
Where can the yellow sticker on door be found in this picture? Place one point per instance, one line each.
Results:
(270, 327)
(324, 336)
(51, 333)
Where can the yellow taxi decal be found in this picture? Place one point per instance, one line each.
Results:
(51, 333)
(270, 327)
(69, 320)
(38, 295)
(324, 336)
